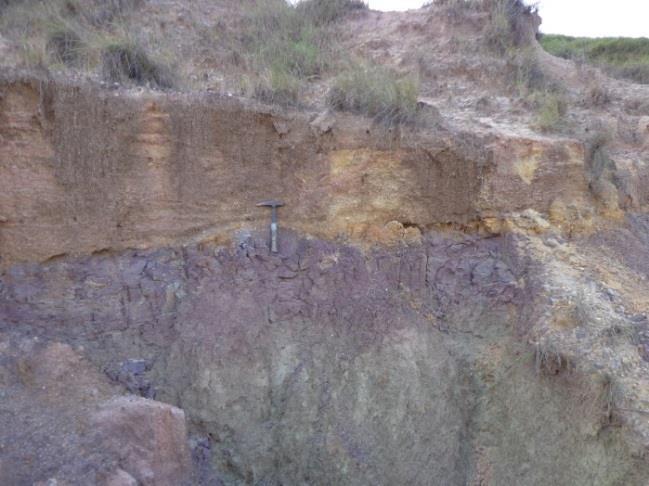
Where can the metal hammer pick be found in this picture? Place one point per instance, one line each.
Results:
(273, 224)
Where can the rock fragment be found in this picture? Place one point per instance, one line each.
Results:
(149, 437)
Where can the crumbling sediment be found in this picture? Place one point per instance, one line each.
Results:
(418, 326)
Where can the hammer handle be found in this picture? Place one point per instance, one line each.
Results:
(273, 237)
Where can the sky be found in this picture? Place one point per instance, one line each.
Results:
(587, 18)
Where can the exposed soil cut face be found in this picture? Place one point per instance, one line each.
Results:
(323, 365)
(460, 301)
(116, 172)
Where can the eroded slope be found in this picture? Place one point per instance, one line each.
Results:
(322, 365)
(459, 301)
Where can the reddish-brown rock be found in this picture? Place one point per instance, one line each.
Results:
(65, 423)
(150, 439)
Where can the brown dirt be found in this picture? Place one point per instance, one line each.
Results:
(461, 301)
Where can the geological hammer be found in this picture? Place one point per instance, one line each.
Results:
(273, 223)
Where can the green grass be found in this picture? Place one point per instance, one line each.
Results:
(278, 87)
(621, 57)
(285, 47)
(289, 46)
(86, 35)
(550, 111)
(376, 92)
(278, 51)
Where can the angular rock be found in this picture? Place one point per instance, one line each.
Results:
(149, 437)
(63, 423)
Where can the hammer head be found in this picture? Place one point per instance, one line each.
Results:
(271, 204)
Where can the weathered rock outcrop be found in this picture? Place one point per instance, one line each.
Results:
(325, 365)
(63, 423)
(111, 172)
(461, 302)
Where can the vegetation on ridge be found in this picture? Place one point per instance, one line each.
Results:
(83, 34)
(377, 92)
(279, 50)
(290, 46)
(621, 57)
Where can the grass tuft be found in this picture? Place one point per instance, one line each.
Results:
(549, 361)
(282, 48)
(126, 61)
(538, 91)
(551, 111)
(376, 92)
(295, 40)
(278, 87)
(81, 34)
(285, 47)
(65, 46)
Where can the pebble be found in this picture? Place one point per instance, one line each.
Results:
(552, 242)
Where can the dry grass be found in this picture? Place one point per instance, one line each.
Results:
(87, 36)
(598, 161)
(545, 97)
(272, 50)
(508, 33)
(284, 47)
(551, 110)
(124, 61)
(376, 92)
(65, 46)
(548, 360)
(507, 28)
(278, 87)
(527, 73)
(597, 95)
